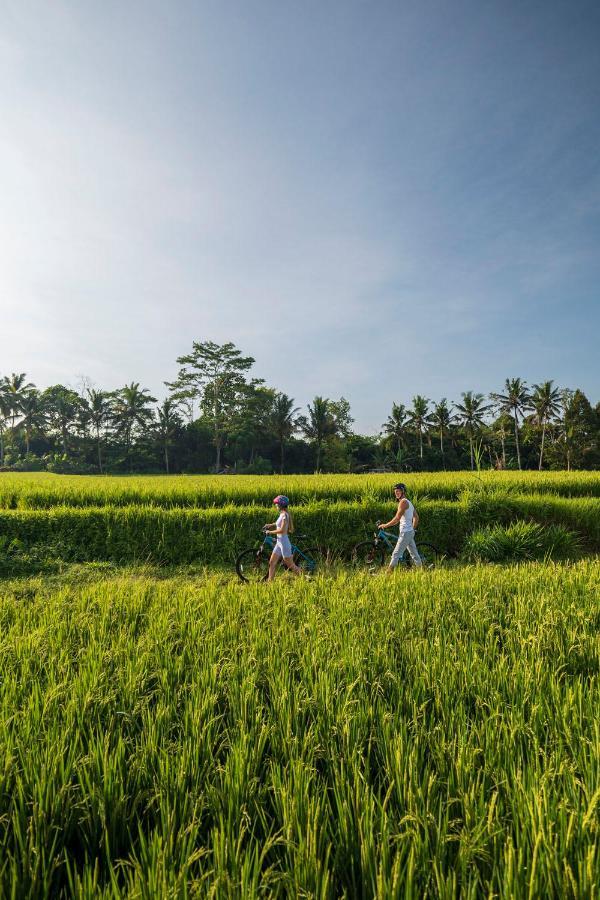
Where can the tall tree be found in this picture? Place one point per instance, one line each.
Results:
(471, 415)
(99, 403)
(168, 423)
(16, 389)
(340, 410)
(215, 374)
(61, 405)
(131, 410)
(250, 421)
(282, 422)
(515, 401)
(441, 419)
(581, 431)
(395, 426)
(33, 415)
(545, 401)
(4, 417)
(419, 418)
(319, 425)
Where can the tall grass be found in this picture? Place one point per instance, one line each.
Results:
(435, 734)
(43, 490)
(521, 541)
(217, 534)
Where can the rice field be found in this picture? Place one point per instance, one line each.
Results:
(33, 490)
(169, 732)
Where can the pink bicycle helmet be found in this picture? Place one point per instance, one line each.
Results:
(281, 500)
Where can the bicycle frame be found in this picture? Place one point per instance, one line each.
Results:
(269, 542)
(387, 537)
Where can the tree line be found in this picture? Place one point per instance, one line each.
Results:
(217, 417)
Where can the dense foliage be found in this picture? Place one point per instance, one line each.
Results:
(217, 417)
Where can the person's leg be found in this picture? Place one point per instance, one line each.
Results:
(412, 549)
(273, 563)
(289, 563)
(398, 553)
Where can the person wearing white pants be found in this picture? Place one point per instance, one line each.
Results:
(408, 519)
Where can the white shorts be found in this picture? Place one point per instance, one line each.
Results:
(283, 546)
(406, 541)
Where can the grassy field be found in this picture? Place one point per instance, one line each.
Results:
(44, 490)
(169, 732)
(194, 520)
(436, 735)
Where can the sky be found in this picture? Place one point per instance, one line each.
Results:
(373, 199)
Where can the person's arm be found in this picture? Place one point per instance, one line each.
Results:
(282, 530)
(401, 507)
(415, 519)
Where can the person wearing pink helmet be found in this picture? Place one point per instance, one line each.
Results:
(282, 528)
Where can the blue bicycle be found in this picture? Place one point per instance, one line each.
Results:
(371, 554)
(253, 564)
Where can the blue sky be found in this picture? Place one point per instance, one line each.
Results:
(373, 199)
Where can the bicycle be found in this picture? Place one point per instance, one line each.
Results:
(253, 564)
(371, 554)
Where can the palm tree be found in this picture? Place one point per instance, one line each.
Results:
(16, 389)
(471, 413)
(282, 422)
(419, 418)
(442, 418)
(545, 400)
(99, 404)
(131, 410)
(4, 417)
(33, 414)
(168, 421)
(567, 430)
(319, 425)
(395, 425)
(514, 401)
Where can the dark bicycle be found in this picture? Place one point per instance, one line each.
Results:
(253, 564)
(371, 554)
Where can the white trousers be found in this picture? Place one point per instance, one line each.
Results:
(406, 541)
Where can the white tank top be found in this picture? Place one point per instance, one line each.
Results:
(283, 522)
(406, 519)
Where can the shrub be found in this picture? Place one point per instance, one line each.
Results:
(29, 463)
(520, 541)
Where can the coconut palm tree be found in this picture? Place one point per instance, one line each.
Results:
(471, 415)
(283, 423)
(4, 417)
(515, 401)
(168, 422)
(546, 403)
(99, 404)
(131, 410)
(441, 419)
(419, 418)
(395, 426)
(33, 413)
(16, 388)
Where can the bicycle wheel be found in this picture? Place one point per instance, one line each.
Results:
(430, 556)
(368, 555)
(253, 565)
(309, 560)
